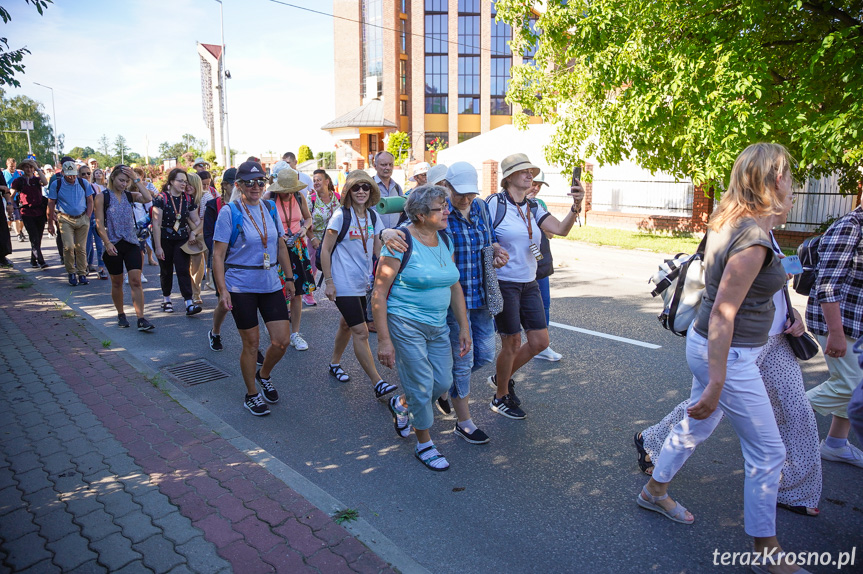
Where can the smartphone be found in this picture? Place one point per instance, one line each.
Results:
(576, 174)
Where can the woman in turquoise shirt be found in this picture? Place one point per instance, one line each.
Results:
(410, 308)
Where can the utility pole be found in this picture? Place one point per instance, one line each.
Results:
(224, 74)
(54, 117)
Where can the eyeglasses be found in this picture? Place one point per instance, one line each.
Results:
(444, 208)
(254, 182)
(361, 186)
(84, 174)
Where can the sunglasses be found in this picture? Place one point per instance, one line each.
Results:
(84, 174)
(254, 182)
(361, 186)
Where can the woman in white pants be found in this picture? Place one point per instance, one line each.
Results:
(741, 276)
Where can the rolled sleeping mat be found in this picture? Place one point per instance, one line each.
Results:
(389, 205)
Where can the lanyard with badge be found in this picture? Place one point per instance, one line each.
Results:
(364, 236)
(263, 235)
(534, 248)
(178, 211)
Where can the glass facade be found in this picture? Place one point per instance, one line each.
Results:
(468, 56)
(464, 136)
(501, 62)
(436, 49)
(403, 77)
(432, 136)
(403, 36)
(373, 47)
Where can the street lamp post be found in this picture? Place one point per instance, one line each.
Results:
(54, 117)
(224, 75)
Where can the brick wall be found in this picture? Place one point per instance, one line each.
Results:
(702, 208)
(490, 181)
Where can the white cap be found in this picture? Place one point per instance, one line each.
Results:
(436, 173)
(462, 177)
(540, 178)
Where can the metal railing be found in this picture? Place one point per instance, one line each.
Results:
(648, 197)
(816, 202)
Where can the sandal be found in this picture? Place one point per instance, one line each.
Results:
(404, 430)
(167, 307)
(339, 373)
(645, 465)
(798, 509)
(431, 458)
(677, 514)
(193, 310)
(383, 388)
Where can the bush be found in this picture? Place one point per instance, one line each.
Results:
(304, 154)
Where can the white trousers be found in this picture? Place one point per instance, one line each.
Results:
(744, 401)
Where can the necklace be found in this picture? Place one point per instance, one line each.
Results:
(437, 253)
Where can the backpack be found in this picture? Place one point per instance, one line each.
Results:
(406, 256)
(500, 212)
(681, 299)
(343, 232)
(59, 181)
(808, 254)
(237, 219)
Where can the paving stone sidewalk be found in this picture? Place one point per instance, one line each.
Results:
(100, 471)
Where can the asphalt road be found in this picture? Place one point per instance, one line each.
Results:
(553, 493)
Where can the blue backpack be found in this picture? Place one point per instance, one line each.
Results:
(237, 219)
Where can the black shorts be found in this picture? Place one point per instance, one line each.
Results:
(246, 306)
(522, 307)
(353, 309)
(128, 254)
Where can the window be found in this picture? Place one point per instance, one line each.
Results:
(403, 31)
(501, 62)
(468, 57)
(436, 64)
(403, 107)
(464, 136)
(373, 47)
(405, 4)
(373, 145)
(403, 77)
(442, 137)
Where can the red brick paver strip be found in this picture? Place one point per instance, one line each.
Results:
(252, 525)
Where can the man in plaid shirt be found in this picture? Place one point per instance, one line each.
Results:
(835, 314)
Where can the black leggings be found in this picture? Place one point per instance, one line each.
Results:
(175, 260)
(35, 226)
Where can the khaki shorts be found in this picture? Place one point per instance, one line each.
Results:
(832, 396)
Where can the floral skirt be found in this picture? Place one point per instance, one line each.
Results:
(304, 280)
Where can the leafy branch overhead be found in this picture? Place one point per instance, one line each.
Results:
(10, 61)
(683, 86)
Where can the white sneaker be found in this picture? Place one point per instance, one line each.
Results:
(848, 453)
(548, 354)
(143, 279)
(126, 278)
(298, 342)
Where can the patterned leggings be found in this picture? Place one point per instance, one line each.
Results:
(801, 474)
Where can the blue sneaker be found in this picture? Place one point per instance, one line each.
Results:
(73, 280)
(82, 280)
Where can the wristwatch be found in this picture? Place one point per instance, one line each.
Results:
(137, 180)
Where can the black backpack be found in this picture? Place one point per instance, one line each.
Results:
(808, 254)
(343, 232)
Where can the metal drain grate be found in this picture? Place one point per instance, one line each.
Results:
(196, 372)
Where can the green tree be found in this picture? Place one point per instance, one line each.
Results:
(399, 145)
(684, 86)
(104, 145)
(120, 147)
(326, 159)
(12, 112)
(304, 154)
(10, 61)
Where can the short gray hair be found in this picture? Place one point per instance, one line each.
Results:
(420, 200)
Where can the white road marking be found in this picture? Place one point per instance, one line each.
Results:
(605, 336)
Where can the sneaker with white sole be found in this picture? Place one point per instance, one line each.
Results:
(268, 389)
(143, 279)
(298, 342)
(256, 405)
(492, 382)
(549, 354)
(506, 407)
(215, 341)
(849, 454)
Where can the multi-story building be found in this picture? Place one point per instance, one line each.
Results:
(434, 69)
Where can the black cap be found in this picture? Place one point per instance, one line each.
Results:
(250, 170)
(230, 175)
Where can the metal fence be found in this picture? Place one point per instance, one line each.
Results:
(647, 197)
(816, 202)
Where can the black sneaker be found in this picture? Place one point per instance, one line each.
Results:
(6, 263)
(44, 265)
(507, 408)
(122, 321)
(476, 437)
(256, 405)
(144, 325)
(492, 382)
(443, 405)
(21, 238)
(34, 264)
(215, 341)
(271, 395)
(260, 359)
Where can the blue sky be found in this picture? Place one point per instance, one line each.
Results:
(131, 67)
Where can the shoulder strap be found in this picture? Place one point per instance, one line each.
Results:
(500, 211)
(406, 256)
(219, 204)
(83, 185)
(106, 201)
(374, 217)
(445, 237)
(346, 225)
(236, 223)
(271, 207)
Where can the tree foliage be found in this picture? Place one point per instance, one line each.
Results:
(304, 154)
(684, 86)
(326, 159)
(399, 145)
(12, 111)
(10, 61)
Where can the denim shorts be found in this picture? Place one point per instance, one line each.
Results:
(522, 308)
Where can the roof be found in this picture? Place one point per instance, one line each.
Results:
(213, 49)
(370, 115)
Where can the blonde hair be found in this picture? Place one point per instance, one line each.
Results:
(196, 183)
(752, 187)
